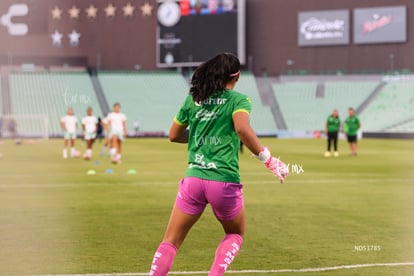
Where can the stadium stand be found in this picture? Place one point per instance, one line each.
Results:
(51, 93)
(342, 95)
(299, 105)
(392, 109)
(403, 127)
(261, 117)
(152, 98)
(306, 105)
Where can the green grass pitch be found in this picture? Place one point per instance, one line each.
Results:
(55, 219)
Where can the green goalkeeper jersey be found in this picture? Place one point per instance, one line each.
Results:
(213, 143)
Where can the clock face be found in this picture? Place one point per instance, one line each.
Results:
(169, 13)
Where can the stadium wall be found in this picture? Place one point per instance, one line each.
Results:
(123, 42)
(273, 40)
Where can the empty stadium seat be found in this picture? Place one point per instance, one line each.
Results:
(304, 110)
(261, 117)
(51, 93)
(152, 98)
(393, 106)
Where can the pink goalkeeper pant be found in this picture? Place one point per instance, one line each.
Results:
(225, 198)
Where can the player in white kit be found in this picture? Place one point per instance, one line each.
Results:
(89, 128)
(69, 124)
(118, 132)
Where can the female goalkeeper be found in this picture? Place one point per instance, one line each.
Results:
(212, 120)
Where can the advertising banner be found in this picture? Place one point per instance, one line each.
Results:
(323, 28)
(380, 25)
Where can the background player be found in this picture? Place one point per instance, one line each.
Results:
(69, 124)
(89, 129)
(351, 127)
(332, 126)
(118, 131)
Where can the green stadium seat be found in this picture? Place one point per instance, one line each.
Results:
(152, 98)
(392, 109)
(51, 93)
(261, 117)
(304, 111)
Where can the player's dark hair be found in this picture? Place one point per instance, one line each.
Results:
(213, 75)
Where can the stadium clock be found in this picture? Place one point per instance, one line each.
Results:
(169, 13)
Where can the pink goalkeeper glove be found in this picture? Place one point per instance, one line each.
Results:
(277, 167)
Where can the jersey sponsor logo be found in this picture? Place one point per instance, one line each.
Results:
(201, 164)
(213, 101)
(205, 115)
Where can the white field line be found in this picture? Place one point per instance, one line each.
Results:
(304, 270)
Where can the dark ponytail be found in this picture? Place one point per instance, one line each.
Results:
(213, 75)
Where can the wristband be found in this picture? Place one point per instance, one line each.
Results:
(264, 155)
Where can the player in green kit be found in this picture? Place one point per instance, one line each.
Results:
(212, 120)
(331, 129)
(214, 138)
(351, 127)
